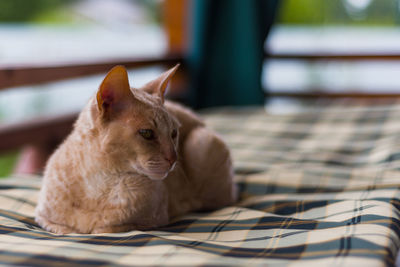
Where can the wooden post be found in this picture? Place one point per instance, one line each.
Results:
(33, 159)
(175, 16)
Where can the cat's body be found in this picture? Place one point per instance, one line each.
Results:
(114, 174)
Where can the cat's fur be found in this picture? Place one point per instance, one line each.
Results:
(106, 177)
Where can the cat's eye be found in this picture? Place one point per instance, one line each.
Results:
(174, 134)
(147, 134)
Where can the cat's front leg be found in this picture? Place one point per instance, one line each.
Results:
(142, 213)
(53, 227)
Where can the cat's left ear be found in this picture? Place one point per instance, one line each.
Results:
(114, 92)
(159, 85)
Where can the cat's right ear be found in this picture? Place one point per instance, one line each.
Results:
(114, 92)
(158, 86)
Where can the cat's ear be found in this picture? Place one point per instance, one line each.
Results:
(159, 85)
(114, 92)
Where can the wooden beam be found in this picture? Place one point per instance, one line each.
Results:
(176, 20)
(332, 95)
(326, 56)
(12, 76)
(39, 131)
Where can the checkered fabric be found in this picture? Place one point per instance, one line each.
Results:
(317, 188)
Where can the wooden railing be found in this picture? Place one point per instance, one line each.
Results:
(27, 75)
(313, 93)
(345, 57)
(15, 135)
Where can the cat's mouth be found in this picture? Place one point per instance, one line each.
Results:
(161, 174)
(155, 173)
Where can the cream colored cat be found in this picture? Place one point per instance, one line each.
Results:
(133, 162)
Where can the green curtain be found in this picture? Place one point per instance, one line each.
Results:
(226, 54)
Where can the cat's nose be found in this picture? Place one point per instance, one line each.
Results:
(171, 157)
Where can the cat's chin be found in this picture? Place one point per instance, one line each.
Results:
(157, 176)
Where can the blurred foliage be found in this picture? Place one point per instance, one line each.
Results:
(27, 10)
(309, 12)
(57, 11)
(153, 8)
(334, 12)
(58, 15)
(7, 163)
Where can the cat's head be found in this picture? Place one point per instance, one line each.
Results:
(135, 129)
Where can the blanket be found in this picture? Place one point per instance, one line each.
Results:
(317, 188)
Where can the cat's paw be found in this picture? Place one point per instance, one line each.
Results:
(53, 227)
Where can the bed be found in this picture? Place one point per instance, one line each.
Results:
(317, 187)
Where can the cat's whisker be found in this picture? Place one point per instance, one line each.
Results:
(161, 164)
(172, 167)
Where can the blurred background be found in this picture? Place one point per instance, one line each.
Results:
(283, 54)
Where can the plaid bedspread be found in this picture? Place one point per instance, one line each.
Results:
(317, 188)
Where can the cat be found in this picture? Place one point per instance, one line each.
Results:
(132, 162)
